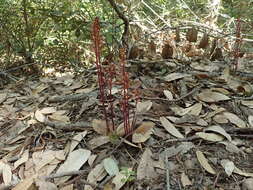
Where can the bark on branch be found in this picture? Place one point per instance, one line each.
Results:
(125, 20)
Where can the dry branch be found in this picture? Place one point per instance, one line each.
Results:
(125, 20)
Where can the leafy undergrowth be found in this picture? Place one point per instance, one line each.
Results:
(194, 130)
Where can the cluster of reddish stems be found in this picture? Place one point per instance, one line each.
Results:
(106, 72)
(106, 76)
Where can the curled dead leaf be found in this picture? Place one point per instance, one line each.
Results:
(39, 116)
(220, 130)
(235, 119)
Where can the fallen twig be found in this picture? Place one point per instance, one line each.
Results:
(167, 172)
(194, 137)
(63, 174)
(72, 97)
(79, 126)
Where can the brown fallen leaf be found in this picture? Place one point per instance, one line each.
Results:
(48, 110)
(146, 169)
(228, 166)
(242, 173)
(95, 175)
(219, 130)
(39, 116)
(170, 128)
(6, 172)
(42, 185)
(99, 126)
(74, 162)
(210, 136)
(175, 76)
(22, 160)
(27, 184)
(143, 132)
(143, 107)
(209, 96)
(77, 139)
(98, 141)
(204, 162)
(185, 180)
(59, 115)
(235, 119)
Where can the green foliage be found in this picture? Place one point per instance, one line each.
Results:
(129, 175)
(52, 32)
(114, 138)
(239, 9)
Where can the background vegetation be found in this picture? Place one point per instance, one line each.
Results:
(49, 33)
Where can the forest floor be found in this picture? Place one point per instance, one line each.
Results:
(194, 131)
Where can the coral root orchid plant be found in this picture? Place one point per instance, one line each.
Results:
(100, 72)
(106, 72)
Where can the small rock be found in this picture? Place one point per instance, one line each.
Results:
(247, 184)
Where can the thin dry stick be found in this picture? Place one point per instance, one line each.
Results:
(63, 174)
(165, 22)
(79, 126)
(216, 180)
(167, 171)
(194, 137)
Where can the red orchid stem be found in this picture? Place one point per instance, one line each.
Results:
(125, 98)
(100, 72)
(111, 73)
